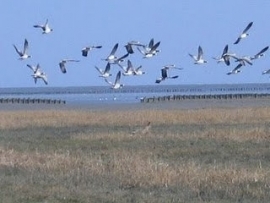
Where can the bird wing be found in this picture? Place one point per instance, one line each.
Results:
(108, 67)
(262, 51)
(99, 70)
(248, 27)
(238, 40)
(17, 50)
(25, 47)
(114, 49)
(225, 50)
(200, 52)
(117, 79)
(62, 67)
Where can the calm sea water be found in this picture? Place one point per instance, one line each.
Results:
(128, 94)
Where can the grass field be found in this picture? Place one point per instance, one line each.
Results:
(206, 155)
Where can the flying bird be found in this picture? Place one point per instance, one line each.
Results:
(164, 75)
(235, 70)
(116, 84)
(199, 58)
(106, 73)
(244, 34)
(149, 52)
(129, 46)
(85, 50)
(23, 54)
(45, 27)
(62, 64)
(38, 73)
(260, 53)
(225, 57)
(114, 59)
(266, 72)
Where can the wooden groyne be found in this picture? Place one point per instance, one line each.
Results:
(200, 97)
(31, 101)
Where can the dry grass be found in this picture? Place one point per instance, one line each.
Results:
(212, 155)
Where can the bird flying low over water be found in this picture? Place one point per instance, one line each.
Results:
(23, 54)
(199, 58)
(45, 28)
(129, 70)
(116, 84)
(225, 57)
(260, 53)
(62, 64)
(235, 70)
(38, 73)
(106, 73)
(114, 59)
(244, 34)
(164, 75)
(85, 50)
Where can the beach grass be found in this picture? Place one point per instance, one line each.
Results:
(203, 155)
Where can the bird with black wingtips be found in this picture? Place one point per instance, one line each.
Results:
(199, 58)
(116, 84)
(62, 64)
(244, 34)
(164, 75)
(235, 70)
(45, 27)
(106, 73)
(38, 73)
(85, 50)
(112, 58)
(23, 54)
(150, 52)
(260, 53)
(130, 44)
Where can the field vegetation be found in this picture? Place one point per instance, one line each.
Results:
(203, 155)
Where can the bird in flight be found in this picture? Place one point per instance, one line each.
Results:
(85, 50)
(45, 27)
(244, 34)
(23, 54)
(62, 64)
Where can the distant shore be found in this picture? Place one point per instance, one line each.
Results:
(166, 105)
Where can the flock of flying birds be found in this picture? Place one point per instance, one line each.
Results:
(148, 51)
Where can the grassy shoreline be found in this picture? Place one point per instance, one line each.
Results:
(212, 155)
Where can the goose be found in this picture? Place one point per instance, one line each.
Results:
(23, 54)
(45, 28)
(266, 72)
(104, 73)
(85, 50)
(63, 62)
(244, 34)
(260, 53)
(129, 46)
(114, 59)
(138, 71)
(129, 70)
(149, 52)
(38, 73)
(199, 58)
(116, 84)
(243, 60)
(235, 70)
(225, 57)
(164, 75)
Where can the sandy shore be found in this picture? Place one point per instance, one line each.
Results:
(183, 104)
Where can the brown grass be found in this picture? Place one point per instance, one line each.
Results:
(213, 155)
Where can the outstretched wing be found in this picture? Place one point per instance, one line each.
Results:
(248, 27)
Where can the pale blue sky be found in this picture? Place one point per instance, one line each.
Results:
(181, 26)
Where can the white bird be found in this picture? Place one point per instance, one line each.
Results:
(23, 54)
(235, 70)
(129, 70)
(199, 58)
(129, 46)
(63, 62)
(106, 73)
(225, 56)
(149, 52)
(266, 72)
(244, 34)
(164, 75)
(38, 73)
(243, 60)
(45, 28)
(116, 84)
(260, 53)
(138, 71)
(114, 59)
(85, 50)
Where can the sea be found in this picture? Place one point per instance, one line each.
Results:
(128, 94)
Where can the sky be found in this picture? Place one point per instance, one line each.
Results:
(180, 26)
